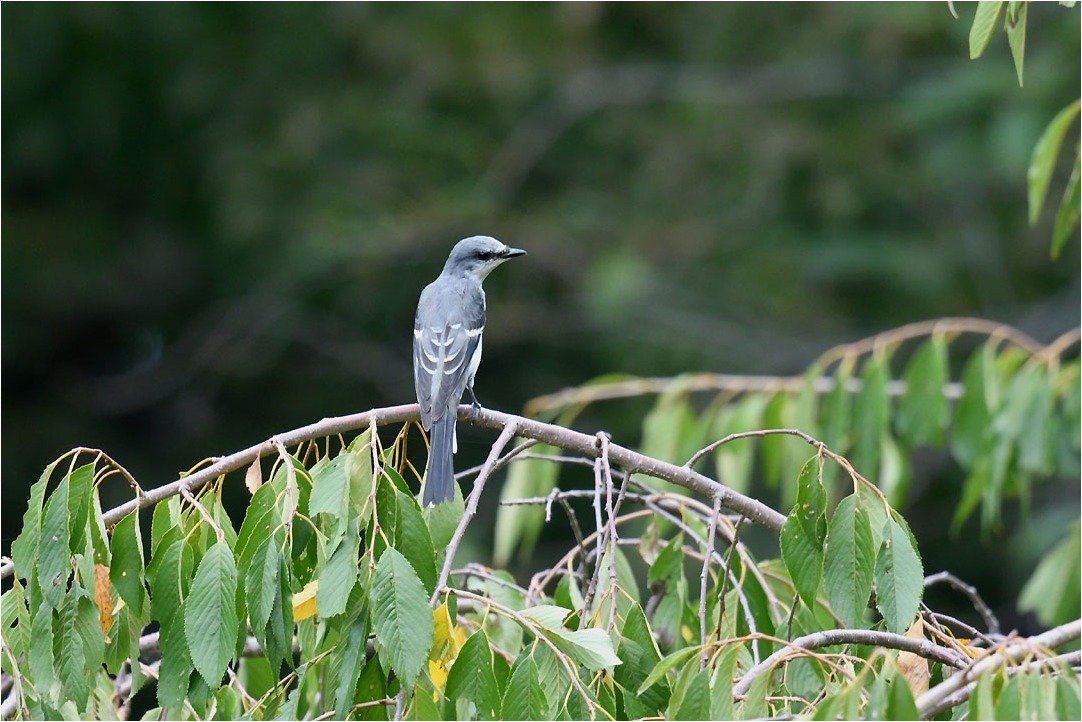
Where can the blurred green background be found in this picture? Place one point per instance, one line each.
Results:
(217, 218)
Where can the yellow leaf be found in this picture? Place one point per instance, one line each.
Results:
(437, 671)
(685, 632)
(103, 597)
(441, 639)
(304, 601)
(912, 666)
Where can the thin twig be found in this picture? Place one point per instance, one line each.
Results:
(920, 647)
(990, 620)
(538, 633)
(471, 507)
(187, 496)
(704, 575)
(1014, 652)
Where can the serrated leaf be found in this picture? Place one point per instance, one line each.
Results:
(1043, 160)
(210, 616)
(803, 558)
(350, 660)
(126, 569)
(471, 677)
(412, 539)
(667, 663)
(524, 698)
(984, 24)
(42, 661)
(176, 668)
(261, 579)
(549, 616)
(79, 494)
(849, 562)
(591, 648)
(330, 487)
(923, 409)
(899, 577)
(24, 550)
(695, 704)
(1016, 34)
(640, 654)
(338, 577)
(401, 617)
(70, 655)
(54, 556)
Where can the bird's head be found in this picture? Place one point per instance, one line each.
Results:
(477, 255)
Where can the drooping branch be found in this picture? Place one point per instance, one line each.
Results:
(585, 444)
(920, 647)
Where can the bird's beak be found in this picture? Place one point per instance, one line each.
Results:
(512, 252)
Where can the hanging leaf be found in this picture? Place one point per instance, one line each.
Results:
(984, 24)
(210, 617)
(923, 409)
(1067, 215)
(525, 698)
(1043, 161)
(126, 570)
(899, 577)
(1016, 33)
(401, 617)
(849, 562)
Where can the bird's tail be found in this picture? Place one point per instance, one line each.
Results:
(440, 482)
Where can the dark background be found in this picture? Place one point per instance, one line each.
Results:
(217, 218)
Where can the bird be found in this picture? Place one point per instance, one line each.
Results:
(447, 335)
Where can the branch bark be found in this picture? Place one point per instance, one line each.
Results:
(585, 444)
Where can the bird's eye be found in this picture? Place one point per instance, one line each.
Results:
(484, 255)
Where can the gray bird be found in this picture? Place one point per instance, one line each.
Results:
(447, 350)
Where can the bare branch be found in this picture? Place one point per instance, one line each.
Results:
(1009, 653)
(920, 647)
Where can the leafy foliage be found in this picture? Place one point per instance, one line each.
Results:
(327, 601)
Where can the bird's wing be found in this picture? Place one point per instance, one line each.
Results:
(441, 363)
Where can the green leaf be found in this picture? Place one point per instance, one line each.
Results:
(640, 654)
(411, 537)
(79, 494)
(54, 556)
(524, 698)
(350, 653)
(591, 648)
(176, 668)
(972, 414)
(923, 410)
(695, 704)
(24, 550)
(850, 561)
(899, 577)
(984, 24)
(261, 581)
(1067, 215)
(126, 569)
(803, 558)
(70, 655)
(1068, 697)
(1043, 161)
(1052, 592)
(41, 659)
(871, 415)
(835, 417)
(338, 576)
(1016, 33)
(803, 534)
(471, 677)
(210, 616)
(667, 663)
(401, 617)
(330, 488)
